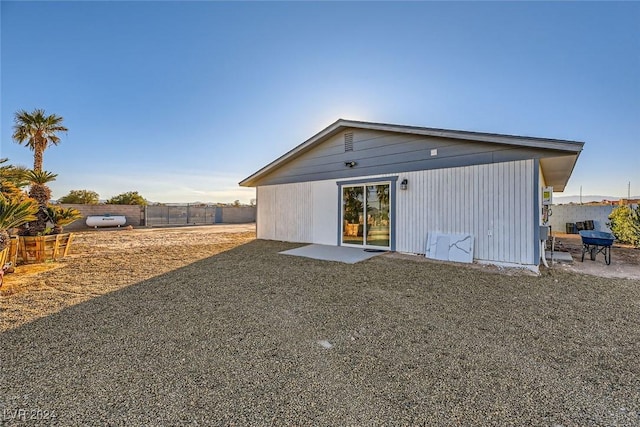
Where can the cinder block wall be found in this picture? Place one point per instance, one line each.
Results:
(562, 214)
(239, 215)
(133, 213)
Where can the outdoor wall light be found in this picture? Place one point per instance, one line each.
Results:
(403, 184)
(350, 163)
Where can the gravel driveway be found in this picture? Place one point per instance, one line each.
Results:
(251, 337)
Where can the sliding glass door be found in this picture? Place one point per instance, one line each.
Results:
(365, 215)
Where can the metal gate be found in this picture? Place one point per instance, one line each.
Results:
(179, 215)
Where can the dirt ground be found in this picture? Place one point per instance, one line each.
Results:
(625, 259)
(105, 260)
(247, 336)
(102, 261)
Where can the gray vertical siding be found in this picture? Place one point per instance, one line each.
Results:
(538, 183)
(493, 202)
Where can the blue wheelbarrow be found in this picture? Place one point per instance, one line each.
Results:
(595, 242)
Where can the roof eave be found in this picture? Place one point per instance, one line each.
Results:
(558, 170)
(568, 147)
(307, 145)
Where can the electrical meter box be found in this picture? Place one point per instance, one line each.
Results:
(547, 195)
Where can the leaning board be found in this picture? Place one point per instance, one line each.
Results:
(449, 247)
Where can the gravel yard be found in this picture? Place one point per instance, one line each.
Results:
(201, 327)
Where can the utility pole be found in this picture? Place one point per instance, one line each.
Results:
(629, 191)
(581, 194)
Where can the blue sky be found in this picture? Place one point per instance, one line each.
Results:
(181, 100)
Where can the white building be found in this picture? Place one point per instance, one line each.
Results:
(385, 186)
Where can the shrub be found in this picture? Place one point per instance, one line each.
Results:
(625, 224)
(128, 198)
(81, 197)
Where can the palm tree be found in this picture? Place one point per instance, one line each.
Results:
(37, 131)
(14, 214)
(39, 189)
(41, 193)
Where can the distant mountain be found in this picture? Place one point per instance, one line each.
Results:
(563, 200)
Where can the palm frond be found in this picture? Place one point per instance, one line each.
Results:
(63, 216)
(15, 213)
(41, 177)
(15, 175)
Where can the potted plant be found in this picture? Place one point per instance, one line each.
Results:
(40, 243)
(13, 213)
(40, 192)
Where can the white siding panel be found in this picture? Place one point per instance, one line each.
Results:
(325, 214)
(493, 202)
(295, 212)
(285, 212)
(264, 214)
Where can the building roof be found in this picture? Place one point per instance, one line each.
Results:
(556, 169)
